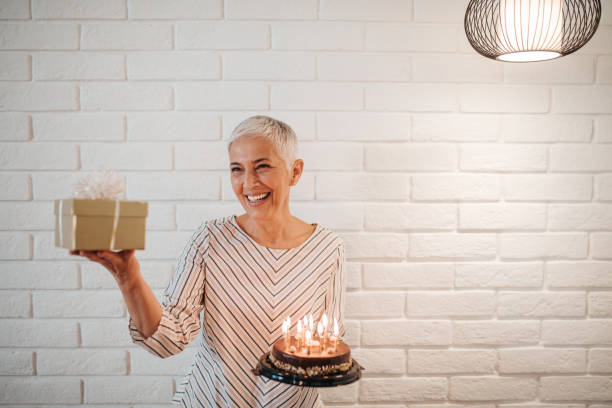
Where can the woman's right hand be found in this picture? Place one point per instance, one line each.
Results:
(123, 265)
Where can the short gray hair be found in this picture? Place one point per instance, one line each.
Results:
(279, 133)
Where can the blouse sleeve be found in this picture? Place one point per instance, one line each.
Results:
(182, 302)
(338, 285)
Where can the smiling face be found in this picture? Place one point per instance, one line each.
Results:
(260, 178)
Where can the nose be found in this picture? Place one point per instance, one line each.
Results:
(250, 180)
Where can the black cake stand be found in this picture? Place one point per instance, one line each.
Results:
(267, 369)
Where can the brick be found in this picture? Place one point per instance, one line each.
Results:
(27, 216)
(601, 246)
(302, 123)
(78, 304)
(71, 66)
(451, 361)
(45, 249)
(16, 362)
(546, 128)
(455, 128)
(173, 65)
(439, 11)
(52, 185)
(38, 333)
(78, 126)
(336, 36)
(603, 129)
(105, 333)
(126, 156)
(604, 69)
(449, 304)
(363, 126)
(353, 333)
(576, 388)
(603, 187)
(548, 246)
(41, 156)
(353, 275)
(15, 245)
(574, 99)
(337, 216)
(405, 332)
(503, 157)
(410, 157)
(15, 66)
(600, 42)
(600, 304)
(143, 389)
(381, 361)
(165, 245)
(579, 217)
(127, 36)
(528, 305)
(144, 363)
(270, 66)
(173, 126)
(504, 99)
(15, 126)
(38, 275)
(575, 69)
(38, 96)
(413, 38)
(360, 246)
(221, 95)
(410, 217)
(15, 304)
(332, 155)
(81, 362)
(173, 186)
(15, 9)
(222, 35)
(368, 304)
(408, 275)
(338, 186)
(502, 216)
(466, 68)
(179, 10)
(493, 388)
(357, 67)
(495, 333)
(320, 96)
(30, 390)
(579, 274)
(386, 10)
(587, 158)
(455, 187)
(403, 389)
(548, 187)
(39, 36)
(126, 96)
(453, 246)
(577, 332)
(15, 187)
(94, 276)
(339, 394)
(541, 361)
(600, 361)
(272, 10)
(201, 156)
(499, 275)
(161, 216)
(79, 9)
(190, 216)
(411, 97)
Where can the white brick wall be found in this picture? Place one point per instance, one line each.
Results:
(474, 197)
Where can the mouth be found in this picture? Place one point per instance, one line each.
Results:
(257, 198)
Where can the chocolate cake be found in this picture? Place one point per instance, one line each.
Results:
(319, 361)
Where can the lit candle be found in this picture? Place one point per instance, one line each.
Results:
(285, 334)
(299, 335)
(288, 330)
(310, 323)
(335, 336)
(320, 333)
(324, 340)
(308, 337)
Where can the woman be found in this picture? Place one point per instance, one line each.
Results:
(247, 273)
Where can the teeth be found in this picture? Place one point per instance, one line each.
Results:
(257, 197)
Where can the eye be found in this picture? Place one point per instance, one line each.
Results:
(235, 169)
(262, 166)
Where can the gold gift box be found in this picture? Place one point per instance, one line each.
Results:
(100, 224)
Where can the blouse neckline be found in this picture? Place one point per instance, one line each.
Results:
(235, 223)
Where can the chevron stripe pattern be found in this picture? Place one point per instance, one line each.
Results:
(245, 291)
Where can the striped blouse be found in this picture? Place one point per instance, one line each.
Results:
(245, 291)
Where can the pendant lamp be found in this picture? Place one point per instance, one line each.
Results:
(530, 30)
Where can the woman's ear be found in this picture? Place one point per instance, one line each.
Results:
(296, 171)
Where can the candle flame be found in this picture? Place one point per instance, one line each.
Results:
(310, 323)
(324, 320)
(335, 328)
(299, 327)
(319, 329)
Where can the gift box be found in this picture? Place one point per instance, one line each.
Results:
(97, 224)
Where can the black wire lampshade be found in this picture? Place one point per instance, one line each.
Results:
(530, 30)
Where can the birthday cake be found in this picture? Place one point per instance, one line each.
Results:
(319, 358)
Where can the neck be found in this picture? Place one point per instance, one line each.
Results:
(273, 231)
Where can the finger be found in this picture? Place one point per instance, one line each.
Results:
(110, 256)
